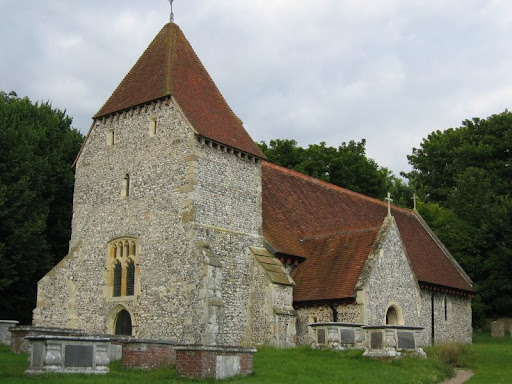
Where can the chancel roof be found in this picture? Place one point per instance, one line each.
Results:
(170, 67)
(336, 230)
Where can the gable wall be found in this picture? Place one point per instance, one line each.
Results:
(74, 294)
(389, 280)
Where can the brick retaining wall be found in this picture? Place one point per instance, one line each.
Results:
(217, 362)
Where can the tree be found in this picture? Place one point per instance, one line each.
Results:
(37, 149)
(467, 173)
(346, 166)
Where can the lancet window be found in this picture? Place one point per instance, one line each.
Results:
(123, 267)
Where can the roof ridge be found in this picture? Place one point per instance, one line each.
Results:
(328, 185)
(319, 235)
(207, 73)
(100, 113)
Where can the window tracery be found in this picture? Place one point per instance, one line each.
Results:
(123, 268)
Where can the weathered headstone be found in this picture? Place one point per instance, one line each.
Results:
(497, 329)
(406, 340)
(376, 340)
(320, 334)
(5, 334)
(68, 354)
(348, 336)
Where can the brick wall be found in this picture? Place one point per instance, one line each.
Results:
(148, 355)
(204, 362)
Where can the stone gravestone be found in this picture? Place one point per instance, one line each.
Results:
(497, 329)
(5, 334)
(406, 340)
(376, 340)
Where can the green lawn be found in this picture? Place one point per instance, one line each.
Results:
(298, 365)
(493, 359)
(492, 364)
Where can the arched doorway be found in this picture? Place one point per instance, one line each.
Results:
(123, 324)
(393, 316)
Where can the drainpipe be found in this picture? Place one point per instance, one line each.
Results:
(334, 313)
(433, 317)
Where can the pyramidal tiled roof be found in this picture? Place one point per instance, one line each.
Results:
(336, 230)
(170, 67)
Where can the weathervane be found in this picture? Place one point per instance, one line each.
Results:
(172, 14)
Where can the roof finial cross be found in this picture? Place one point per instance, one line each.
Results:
(389, 200)
(172, 14)
(414, 198)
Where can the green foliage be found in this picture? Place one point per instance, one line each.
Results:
(465, 178)
(346, 166)
(37, 149)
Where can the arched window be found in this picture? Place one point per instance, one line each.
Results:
(130, 279)
(118, 278)
(123, 268)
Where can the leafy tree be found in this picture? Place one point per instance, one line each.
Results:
(346, 166)
(466, 173)
(37, 149)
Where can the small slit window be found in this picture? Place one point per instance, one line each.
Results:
(125, 191)
(111, 137)
(153, 126)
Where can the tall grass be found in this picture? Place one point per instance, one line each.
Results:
(455, 355)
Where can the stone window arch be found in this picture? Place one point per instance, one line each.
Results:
(122, 269)
(394, 315)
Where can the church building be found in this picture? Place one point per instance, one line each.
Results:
(182, 231)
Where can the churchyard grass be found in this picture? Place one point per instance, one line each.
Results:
(272, 366)
(493, 359)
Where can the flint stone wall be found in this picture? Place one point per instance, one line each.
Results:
(388, 280)
(457, 325)
(194, 207)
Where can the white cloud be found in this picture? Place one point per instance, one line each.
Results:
(389, 71)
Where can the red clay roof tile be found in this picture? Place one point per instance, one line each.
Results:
(170, 67)
(335, 229)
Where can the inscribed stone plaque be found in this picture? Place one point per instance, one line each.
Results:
(348, 336)
(227, 366)
(79, 356)
(376, 340)
(320, 336)
(37, 355)
(406, 340)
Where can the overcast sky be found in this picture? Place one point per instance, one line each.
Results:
(389, 71)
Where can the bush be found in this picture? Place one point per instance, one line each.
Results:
(456, 355)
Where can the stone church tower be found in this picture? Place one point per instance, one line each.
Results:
(167, 221)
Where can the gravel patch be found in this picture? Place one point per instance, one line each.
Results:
(461, 376)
